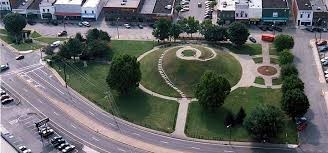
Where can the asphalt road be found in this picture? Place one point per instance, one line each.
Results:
(313, 139)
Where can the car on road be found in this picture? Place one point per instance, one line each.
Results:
(85, 23)
(24, 149)
(62, 33)
(55, 44)
(4, 67)
(252, 39)
(126, 25)
(68, 149)
(20, 57)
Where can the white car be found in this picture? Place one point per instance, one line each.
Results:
(324, 59)
(207, 2)
(24, 149)
(185, 6)
(326, 71)
(184, 2)
(55, 44)
(86, 23)
(184, 10)
(127, 26)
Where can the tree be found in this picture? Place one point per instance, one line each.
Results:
(292, 82)
(191, 25)
(213, 32)
(124, 74)
(104, 36)
(240, 116)
(162, 29)
(98, 49)
(288, 70)
(295, 103)
(205, 26)
(175, 30)
(282, 42)
(97, 35)
(178, 8)
(285, 57)
(213, 4)
(229, 119)
(238, 33)
(79, 37)
(73, 47)
(265, 121)
(14, 24)
(212, 90)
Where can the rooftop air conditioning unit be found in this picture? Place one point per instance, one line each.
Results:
(123, 3)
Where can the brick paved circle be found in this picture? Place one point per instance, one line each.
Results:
(267, 70)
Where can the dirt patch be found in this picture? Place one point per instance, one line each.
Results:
(267, 70)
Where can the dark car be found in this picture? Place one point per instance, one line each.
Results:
(323, 48)
(317, 29)
(6, 101)
(20, 57)
(59, 142)
(252, 39)
(321, 43)
(263, 28)
(140, 26)
(6, 96)
(300, 120)
(269, 28)
(62, 33)
(277, 29)
(208, 17)
(310, 29)
(55, 139)
(62, 146)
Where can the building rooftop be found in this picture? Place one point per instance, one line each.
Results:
(274, 4)
(118, 3)
(34, 5)
(255, 3)
(160, 6)
(227, 5)
(47, 2)
(304, 4)
(72, 2)
(148, 7)
(91, 3)
(318, 6)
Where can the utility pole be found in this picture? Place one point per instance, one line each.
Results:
(229, 127)
(118, 34)
(65, 78)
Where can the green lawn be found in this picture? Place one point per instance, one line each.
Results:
(138, 107)
(276, 81)
(188, 53)
(258, 59)
(274, 60)
(259, 80)
(250, 49)
(206, 53)
(209, 125)
(3, 31)
(272, 50)
(50, 40)
(151, 78)
(26, 46)
(6, 39)
(131, 47)
(185, 74)
(35, 34)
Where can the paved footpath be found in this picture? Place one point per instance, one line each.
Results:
(181, 118)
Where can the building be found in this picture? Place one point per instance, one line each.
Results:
(92, 8)
(255, 11)
(153, 10)
(69, 9)
(226, 11)
(275, 11)
(320, 11)
(303, 13)
(47, 9)
(242, 10)
(5, 5)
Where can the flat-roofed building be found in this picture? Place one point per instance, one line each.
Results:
(226, 11)
(70, 9)
(255, 11)
(275, 11)
(5, 5)
(320, 11)
(242, 10)
(303, 13)
(47, 9)
(92, 8)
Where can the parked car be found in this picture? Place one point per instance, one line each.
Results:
(127, 26)
(317, 29)
(277, 29)
(199, 4)
(62, 146)
(208, 17)
(85, 23)
(184, 9)
(263, 28)
(325, 71)
(46, 132)
(6, 101)
(323, 48)
(325, 63)
(269, 28)
(184, 2)
(252, 39)
(324, 30)
(68, 149)
(24, 149)
(310, 29)
(321, 43)
(59, 142)
(62, 33)
(324, 59)
(55, 44)
(2, 92)
(4, 67)
(140, 26)
(20, 57)
(5, 96)
(55, 140)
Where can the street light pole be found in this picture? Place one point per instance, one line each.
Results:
(229, 127)
(118, 34)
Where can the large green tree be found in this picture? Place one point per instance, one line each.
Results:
(71, 48)
(295, 103)
(292, 82)
(191, 25)
(14, 24)
(285, 57)
(238, 33)
(162, 29)
(175, 31)
(288, 70)
(212, 90)
(264, 122)
(97, 35)
(282, 42)
(98, 49)
(124, 74)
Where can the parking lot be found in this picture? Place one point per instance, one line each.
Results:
(195, 10)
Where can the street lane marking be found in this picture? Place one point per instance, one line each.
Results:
(228, 151)
(56, 113)
(95, 138)
(13, 121)
(121, 149)
(164, 142)
(40, 101)
(73, 126)
(136, 134)
(25, 90)
(49, 83)
(91, 113)
(21, 70)
(111, 124)
(195, 148)
(44, 72)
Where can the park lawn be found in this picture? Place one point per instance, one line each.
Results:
(272, 50)
(3, 31)
(151, 78)
(131, 47)
(258, 59)
(6, 39)
(188, 53)
(274, 60)
(35, 34)
(210, 125)
(185, 74)
(50, 40)
(259, 80)
(276, 81)
(206, 53)
(27, 46)
(250, 49)
(137, 107)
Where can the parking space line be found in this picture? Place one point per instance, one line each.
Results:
(56, 113)
(195, 148)
(73, 126)
(164, 142)
(95, 138)
(121, 149)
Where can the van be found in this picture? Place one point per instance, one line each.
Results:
(268, 37)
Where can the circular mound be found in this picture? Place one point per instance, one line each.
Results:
(188, 53)
(267, 70)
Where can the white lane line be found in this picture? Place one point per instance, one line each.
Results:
(95, 138)
(24, 118)
(49, 83)
(136, 134)
(228, 151)
(195, 148)
(56, 113)
(164, 142)
(44, 72)
(111, 124)
(91, 113)
(73, 126)
(21, 70)
(121, 149)
(40, 101)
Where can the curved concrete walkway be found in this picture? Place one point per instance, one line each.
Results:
(197, 56)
